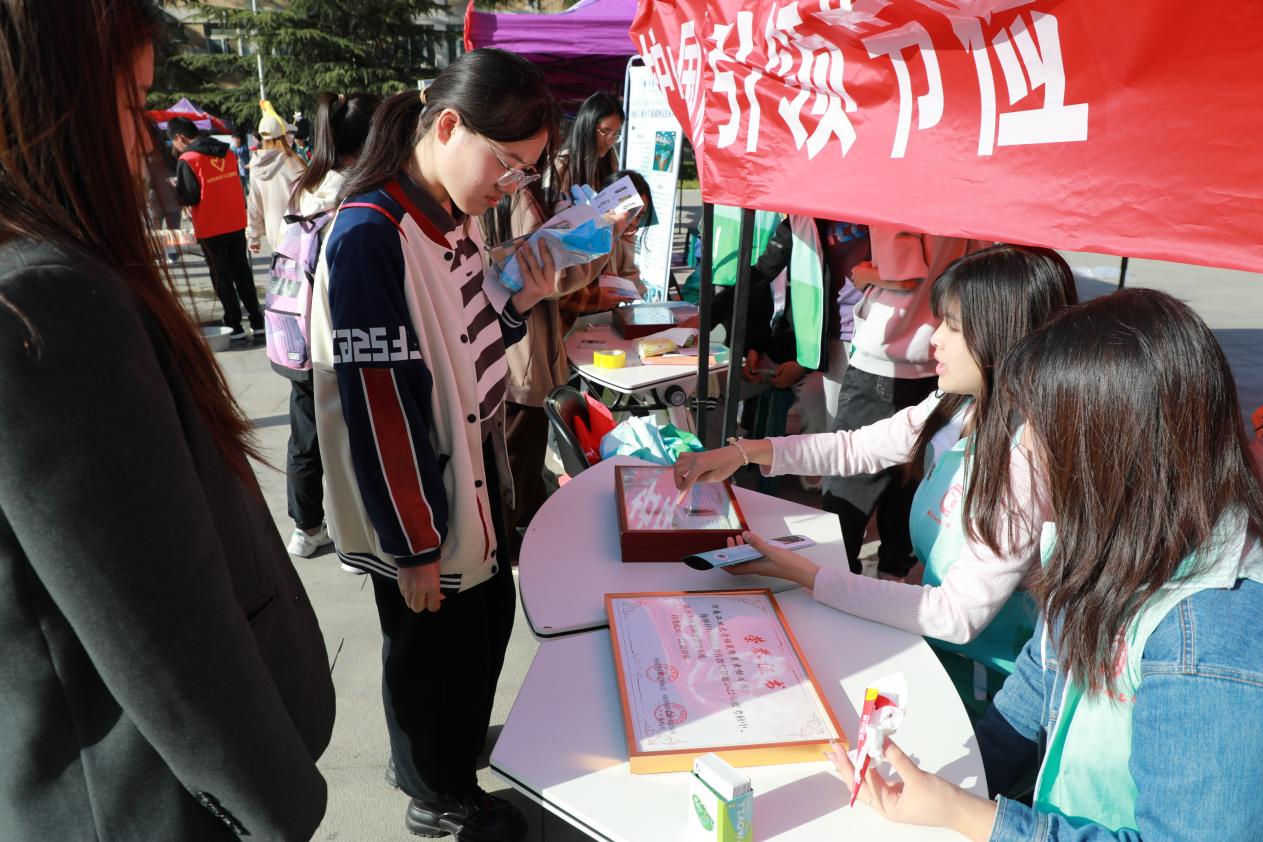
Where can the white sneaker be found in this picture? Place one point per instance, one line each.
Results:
(303, 545)
(349, 569)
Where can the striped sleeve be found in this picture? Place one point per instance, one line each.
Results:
(512, 323)
(385, 387)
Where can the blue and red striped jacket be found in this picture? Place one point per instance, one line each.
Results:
(408, 354)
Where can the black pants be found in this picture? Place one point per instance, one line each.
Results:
(304, 471)
(526, 431)
(439, 675)
(864, 399)
(232, 277)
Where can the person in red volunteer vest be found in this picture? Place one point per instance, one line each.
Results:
(207, 183)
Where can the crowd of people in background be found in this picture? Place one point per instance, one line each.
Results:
(1065, 503)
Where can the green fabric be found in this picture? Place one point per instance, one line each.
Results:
(1085, 775)
(726, 241)
(938, 537)
(806, 290)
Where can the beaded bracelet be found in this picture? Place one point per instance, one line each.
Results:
(736, 442)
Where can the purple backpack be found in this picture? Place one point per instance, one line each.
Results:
(287, 307)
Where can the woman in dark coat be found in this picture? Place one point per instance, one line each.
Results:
(163, 676)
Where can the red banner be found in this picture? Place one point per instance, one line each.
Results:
(1128, 127)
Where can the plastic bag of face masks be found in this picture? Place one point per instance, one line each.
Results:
(577, 234)
(568, 246)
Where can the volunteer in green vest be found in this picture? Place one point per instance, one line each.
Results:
(968, 604)
(1140, 702)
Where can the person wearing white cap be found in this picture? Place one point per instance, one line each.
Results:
(273, 173)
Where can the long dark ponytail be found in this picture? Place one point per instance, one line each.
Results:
(340, 129)
(497, 94)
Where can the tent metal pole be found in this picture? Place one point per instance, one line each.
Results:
(705, 294)
(740, 307)
(1122, 273)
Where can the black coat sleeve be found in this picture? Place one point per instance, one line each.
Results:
(99, 486)
(187, 188)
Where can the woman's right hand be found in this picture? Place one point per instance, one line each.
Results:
(707, 466)
(419, 586)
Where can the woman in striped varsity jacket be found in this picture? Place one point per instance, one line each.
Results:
(409, 366)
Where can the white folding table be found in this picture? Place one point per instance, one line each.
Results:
(639, 386)
(563, 744)
(570, 556)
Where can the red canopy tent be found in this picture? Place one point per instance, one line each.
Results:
(189, 111)
(1126, 128)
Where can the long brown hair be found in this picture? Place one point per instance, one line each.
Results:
(65, 176)
(497, 94)
(1002, 293)
(585, 165)
(1136, 424)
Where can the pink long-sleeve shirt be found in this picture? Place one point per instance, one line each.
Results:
(974, 588)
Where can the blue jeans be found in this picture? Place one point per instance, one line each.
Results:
(1197, 741)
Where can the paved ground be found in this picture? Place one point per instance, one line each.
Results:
(361, 805)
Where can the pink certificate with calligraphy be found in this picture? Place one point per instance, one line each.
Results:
(714, 671)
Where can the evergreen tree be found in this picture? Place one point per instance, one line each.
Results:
(379, 46)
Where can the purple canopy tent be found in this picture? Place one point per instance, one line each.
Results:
(204, 121)
(581, 50)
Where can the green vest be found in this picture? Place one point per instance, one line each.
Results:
(807, 293)
(726, 240)
(1085, 775)
(938, 537)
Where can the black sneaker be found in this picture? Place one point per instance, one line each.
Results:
(476, 818)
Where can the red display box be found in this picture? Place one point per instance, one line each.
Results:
(653, 527)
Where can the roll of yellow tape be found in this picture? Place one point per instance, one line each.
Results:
(609, 359)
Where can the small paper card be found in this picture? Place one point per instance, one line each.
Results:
(715, 671)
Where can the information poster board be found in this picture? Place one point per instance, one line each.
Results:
(715, 671)
(652, 139)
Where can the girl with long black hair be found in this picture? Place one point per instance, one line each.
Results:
(1140, 698)
(408, 352)
(340, 128)
(164, 675)
(968, 602)
(590, 157)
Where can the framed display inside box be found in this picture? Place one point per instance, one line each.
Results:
(714, 671)
(655, 525)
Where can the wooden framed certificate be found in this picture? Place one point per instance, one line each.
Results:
(714, 671)
(655, 525)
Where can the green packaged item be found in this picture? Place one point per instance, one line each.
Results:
(721, 803)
